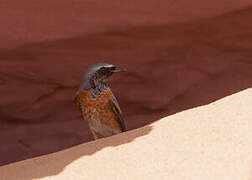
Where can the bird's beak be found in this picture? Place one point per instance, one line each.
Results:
(118, 69)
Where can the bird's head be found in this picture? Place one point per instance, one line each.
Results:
(96, 75)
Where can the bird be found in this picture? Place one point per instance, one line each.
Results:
(97, 103)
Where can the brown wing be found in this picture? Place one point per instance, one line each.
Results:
(117, 111)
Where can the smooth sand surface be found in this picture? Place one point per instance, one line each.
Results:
(179, 55)
(207, 142)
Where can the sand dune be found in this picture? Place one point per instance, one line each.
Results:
(179, 55)
(207, 142)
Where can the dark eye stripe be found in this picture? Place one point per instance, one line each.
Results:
(103, 71)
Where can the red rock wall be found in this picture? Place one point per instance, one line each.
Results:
(178, 54)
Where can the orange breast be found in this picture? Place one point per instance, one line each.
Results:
(98, 113)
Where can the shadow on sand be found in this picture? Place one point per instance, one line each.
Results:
(199, 62)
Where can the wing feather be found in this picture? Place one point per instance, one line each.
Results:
(117, 111)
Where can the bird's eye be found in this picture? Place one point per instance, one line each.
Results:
(103, 70)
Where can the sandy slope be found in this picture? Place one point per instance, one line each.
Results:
(208, 142)
(180, 55)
